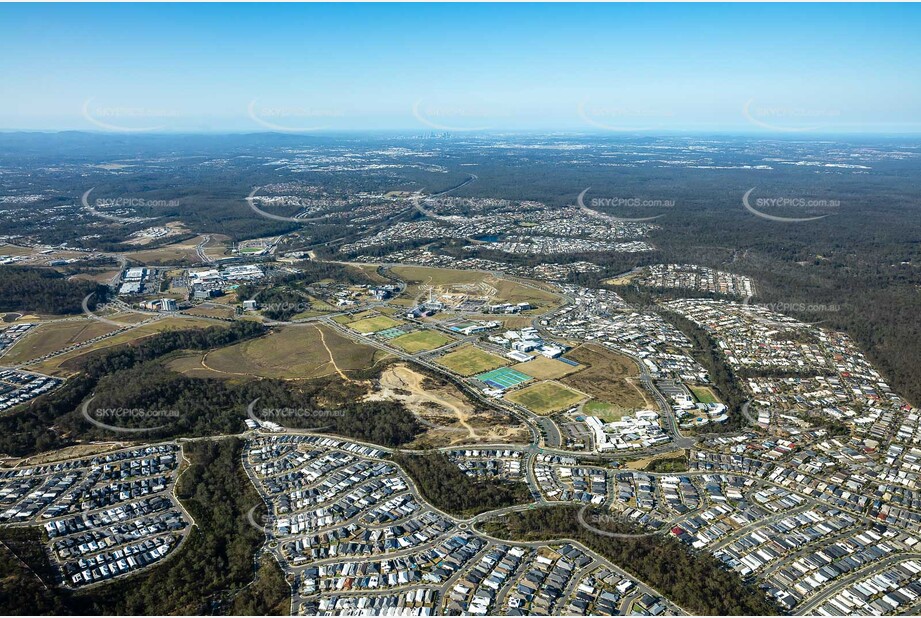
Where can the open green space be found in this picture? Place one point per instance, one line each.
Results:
(373, 324)
(704, 394)
(421, 341)
(546, 397)
(469, 360)
(607, 412)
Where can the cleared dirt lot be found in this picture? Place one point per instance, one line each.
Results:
(450, 416)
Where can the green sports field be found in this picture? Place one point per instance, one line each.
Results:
(503, 377)
(374, 324)
(421, 341)
(391, 333)
(704, 394)
(469, 360)
(546, 397)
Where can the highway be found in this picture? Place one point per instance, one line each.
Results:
(200, 249)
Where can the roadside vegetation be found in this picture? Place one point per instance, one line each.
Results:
(26, 576)
(671, 464)
(268, 595)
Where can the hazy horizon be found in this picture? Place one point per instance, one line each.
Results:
(306, 69)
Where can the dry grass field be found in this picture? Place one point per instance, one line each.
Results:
(181, 252)
(608, 377)
(70, 452)
(53, 336)
(69, 363)
(419, 278)
(211, 311)
(346, 318)
(290, 353)
(644, 462)
(97, 275)
(544, 368)
(15, 250)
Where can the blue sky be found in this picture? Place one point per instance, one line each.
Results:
(424, 67)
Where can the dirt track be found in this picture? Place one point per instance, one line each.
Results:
(401, 378)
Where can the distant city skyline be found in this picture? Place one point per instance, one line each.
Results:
(588, 68)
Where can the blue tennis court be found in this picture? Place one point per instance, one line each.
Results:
(503, 378)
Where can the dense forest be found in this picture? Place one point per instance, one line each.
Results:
(26, 577)
(445, 486)
(268, 595)
(43, 290)
(695, 581)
